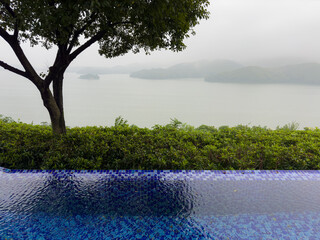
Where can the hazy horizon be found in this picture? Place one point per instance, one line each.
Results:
(251, 32)
(146, 103)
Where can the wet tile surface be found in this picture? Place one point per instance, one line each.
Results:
(133, 204)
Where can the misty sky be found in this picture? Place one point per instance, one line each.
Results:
(241, 30)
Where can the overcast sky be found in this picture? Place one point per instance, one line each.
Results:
(241, 30)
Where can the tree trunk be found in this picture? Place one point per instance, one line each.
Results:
(58, 96)
(54, 104)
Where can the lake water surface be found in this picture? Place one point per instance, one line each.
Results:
(149, 102)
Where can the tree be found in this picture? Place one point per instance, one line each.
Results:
(118, 26)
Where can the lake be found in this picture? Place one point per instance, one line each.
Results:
(149, 102)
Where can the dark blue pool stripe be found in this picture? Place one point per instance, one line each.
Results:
(226, 175)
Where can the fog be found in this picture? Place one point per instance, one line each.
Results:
(249, 31)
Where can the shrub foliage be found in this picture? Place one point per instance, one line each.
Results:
(174, 146)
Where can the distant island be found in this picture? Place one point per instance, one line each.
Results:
(89, 76)
(199, 69)
(226, 71)
(305, 73)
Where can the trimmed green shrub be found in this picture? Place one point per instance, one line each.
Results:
(174, 146)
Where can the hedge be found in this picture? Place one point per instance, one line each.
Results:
(174, 146)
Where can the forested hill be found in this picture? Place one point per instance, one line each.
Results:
(226, 71)
(306, 73)
(199, 69)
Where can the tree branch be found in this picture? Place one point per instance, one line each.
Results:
(8, 8)
(77, 33)
(16, 29)
(57, 65)
(6, 36)
(94, 39)
(30, 73)
(87, 44)
(14, 16)
(13, 69)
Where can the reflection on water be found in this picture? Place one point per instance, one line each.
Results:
(96, 194)
(190, 100)
(126, 206)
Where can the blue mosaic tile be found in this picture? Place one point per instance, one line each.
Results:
(234, 175)
(134, 227)
(159, 204)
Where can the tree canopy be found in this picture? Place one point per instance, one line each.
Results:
(118, 26)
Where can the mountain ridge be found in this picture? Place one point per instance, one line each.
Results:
(198, 69)
(304, 73)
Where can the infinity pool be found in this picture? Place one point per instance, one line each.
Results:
(159, 204)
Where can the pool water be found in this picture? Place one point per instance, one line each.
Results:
(159, 204)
